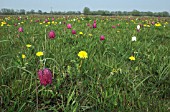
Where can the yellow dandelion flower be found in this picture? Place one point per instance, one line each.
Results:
(39, 54)
(23, 56)
(28, 45)
(145, 25)
(132, 58)
(158, 24)
(148, 26)
(90, 35)
(81, 33)
(83, 54)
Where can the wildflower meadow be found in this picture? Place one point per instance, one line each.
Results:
(84, 63)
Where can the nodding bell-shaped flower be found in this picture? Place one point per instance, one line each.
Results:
(133, 38)
(94, 21)
(138, 27)
(94, 25)
(69, 26)
(153, 23)
(45, 76)
(113, 26)
(73, 32)
(51, 34)
(53, 19)
(102, 37)
(20, 29)
(46, 20)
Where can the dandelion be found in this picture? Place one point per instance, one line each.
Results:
(132, 58)
(51, 34)
(148, 26)
(166, 23)
(81, 33)
(39, 54)
(83, 54)
(23, 56)
(90, 35)
(158, 24)
(45, 76)
(28, 45)
(133, 38)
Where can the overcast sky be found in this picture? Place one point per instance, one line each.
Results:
(78, 5)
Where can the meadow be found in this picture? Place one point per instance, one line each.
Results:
(124, 65)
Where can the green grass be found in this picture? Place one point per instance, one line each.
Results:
(106, 81)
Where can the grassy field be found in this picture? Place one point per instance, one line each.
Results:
(118, 75)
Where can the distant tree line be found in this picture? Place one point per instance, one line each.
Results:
(6, 11)
(86, 11)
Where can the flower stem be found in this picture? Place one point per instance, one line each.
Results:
(80, 64)
(36, 94)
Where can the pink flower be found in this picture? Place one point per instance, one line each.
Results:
(138, 30)
(113, 26)
(94, 25)
(20, 29)
(102, 37)
(45, 76)
(68, 26)
(153, 23)
(37, 21)
(46, 20)
(73, 32)
(88, 24)
(51, 34)
(53, 19)
(15, 24)
(94, 21)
